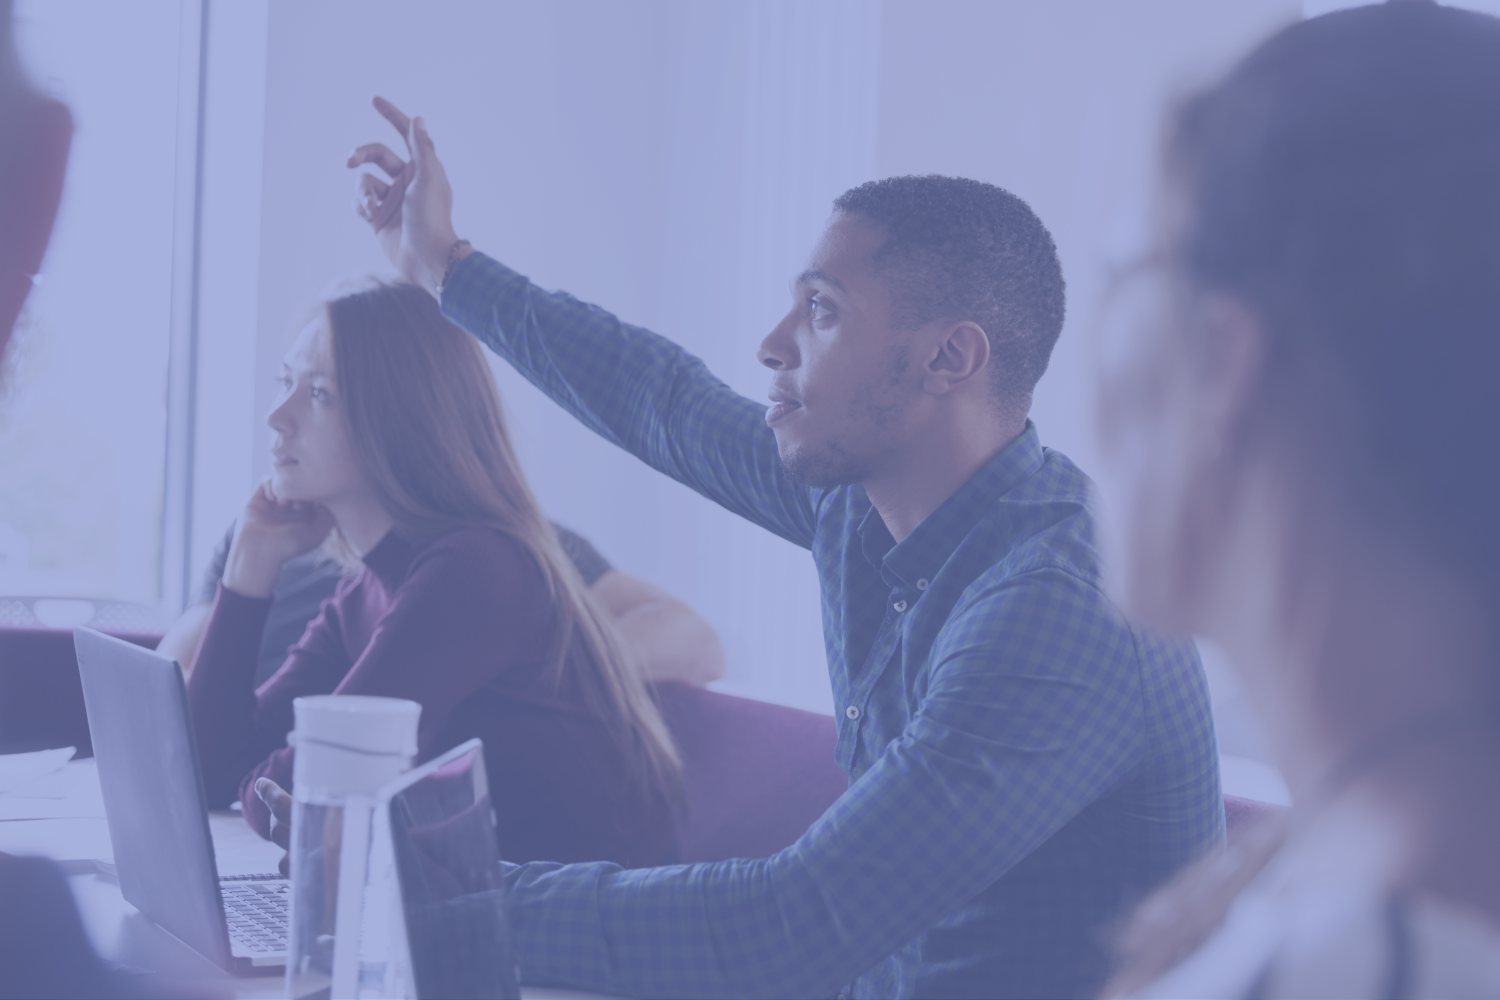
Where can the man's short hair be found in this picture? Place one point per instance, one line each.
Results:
(959, 249)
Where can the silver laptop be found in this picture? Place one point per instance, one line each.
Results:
(158, 813)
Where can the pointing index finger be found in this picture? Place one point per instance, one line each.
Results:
(393, 114)
(275, 797)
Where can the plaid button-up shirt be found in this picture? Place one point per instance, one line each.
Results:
(1022, 763)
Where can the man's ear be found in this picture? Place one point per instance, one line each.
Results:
(961, 354)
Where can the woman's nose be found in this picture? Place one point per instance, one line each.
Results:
(279, 416)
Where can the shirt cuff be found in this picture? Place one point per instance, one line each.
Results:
(473, 287)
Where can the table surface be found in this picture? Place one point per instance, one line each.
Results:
(61, 816)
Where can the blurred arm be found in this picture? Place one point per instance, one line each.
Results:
(671, 642)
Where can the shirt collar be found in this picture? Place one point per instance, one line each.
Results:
(391, 557)
(918, 557)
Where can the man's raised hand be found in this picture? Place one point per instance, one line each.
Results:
(412, 214)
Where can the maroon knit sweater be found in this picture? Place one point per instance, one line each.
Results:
(458, 624)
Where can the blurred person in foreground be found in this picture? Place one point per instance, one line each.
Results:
(43, 949)
(1022, 762)
(35, 133)
(1302, 417)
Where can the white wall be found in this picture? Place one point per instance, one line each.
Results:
(1060, 102)
(673, 161)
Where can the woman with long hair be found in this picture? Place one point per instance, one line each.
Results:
(390, 448)
(1303, 423)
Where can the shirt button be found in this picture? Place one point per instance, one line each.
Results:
(852, 712)
(899, 605)
(921, 584)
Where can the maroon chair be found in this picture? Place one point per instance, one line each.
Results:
(41, 699)
(755, 775)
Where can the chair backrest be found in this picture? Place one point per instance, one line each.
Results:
(41, 699)
(755, 775)
(70, 612)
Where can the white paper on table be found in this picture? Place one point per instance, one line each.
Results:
(15, 807)
(69, 793)
(78, 839)
(17, 769)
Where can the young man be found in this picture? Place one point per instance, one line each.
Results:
(1022, 763)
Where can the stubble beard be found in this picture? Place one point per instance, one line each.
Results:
(823, 469)
(833, 464)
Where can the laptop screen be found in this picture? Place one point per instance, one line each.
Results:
(447, 862)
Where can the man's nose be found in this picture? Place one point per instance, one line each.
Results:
(779, 349)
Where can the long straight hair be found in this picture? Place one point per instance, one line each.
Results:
(428, 430)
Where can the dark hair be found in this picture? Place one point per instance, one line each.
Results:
(960, 249)
(1344, 183)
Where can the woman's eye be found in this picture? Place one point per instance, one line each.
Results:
(817, 309)
(283, 383)
(318, 392)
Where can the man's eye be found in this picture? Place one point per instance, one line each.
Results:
(283, 383)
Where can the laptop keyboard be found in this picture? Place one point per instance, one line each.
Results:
(257, 912)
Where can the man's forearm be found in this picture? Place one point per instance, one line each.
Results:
(709, 930)
(617, 379)
(635, 388)
(987, 771)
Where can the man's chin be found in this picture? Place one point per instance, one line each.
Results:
(821, 469)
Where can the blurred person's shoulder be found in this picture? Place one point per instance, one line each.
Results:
(1319, 921)
(1383, 946)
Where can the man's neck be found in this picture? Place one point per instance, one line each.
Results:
(930, 470)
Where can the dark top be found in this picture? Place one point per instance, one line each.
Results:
(458, 624)
(310, 579)
(1023, 763)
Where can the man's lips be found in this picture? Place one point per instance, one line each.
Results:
(780, 407)
(280, 458)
